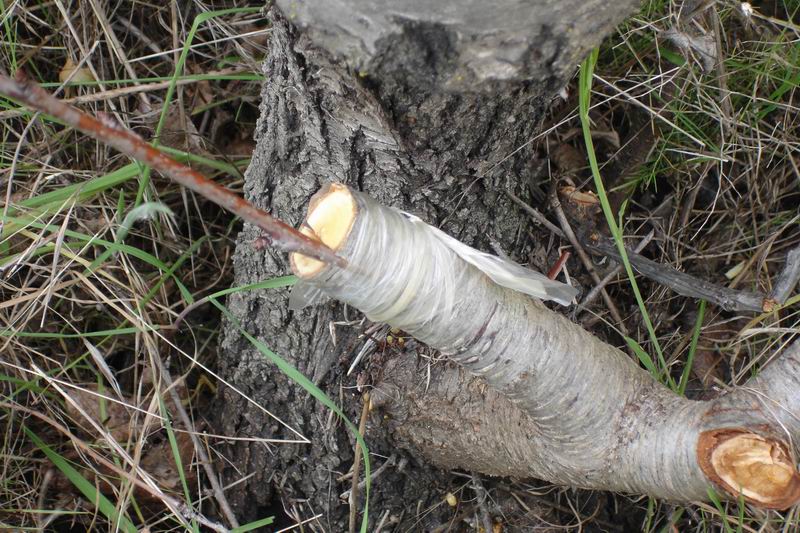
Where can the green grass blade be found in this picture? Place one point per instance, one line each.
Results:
(714, 497)
(283, 281)
(199, 19)
(144, 211)
(234, 169)
(701, 312)
(88, 490)
(585, 88)
(9, 332)
(643, 356)
(254, 525)
(10, 33)
(673, 519)
(82, 191)
(176, 455)
(78, 190)
(187, 296)
(296, 376)
(113, 246)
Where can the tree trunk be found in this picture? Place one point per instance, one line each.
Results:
(437, 119)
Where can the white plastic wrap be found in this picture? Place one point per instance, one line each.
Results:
(416, 268)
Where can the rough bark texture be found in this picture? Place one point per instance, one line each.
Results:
(460, 45)
(447, 421)
(445, 156)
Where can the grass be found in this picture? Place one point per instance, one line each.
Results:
(77, 267)
(584, 88)
(93, 276)
(89, 291)
(727, 175)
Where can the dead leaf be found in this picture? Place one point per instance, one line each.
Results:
(585, 199)
(112, 415)
(181, 134)
(568, 159)
(159, 461)
(75, 75)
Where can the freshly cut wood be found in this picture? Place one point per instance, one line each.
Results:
(576, 411)
(329, 220)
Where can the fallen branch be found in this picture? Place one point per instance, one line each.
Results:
(692, 287)
(562, 405)
(278, 233)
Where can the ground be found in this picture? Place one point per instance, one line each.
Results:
(702, 154)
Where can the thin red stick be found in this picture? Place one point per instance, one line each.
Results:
(280, 234)
(553, 273)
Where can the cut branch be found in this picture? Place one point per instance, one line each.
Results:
(572, 409)
(280, 234)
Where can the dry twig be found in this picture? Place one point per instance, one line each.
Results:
(584, 257)
(592, 295)
(362, 425)
(276, 232)
(692, 287)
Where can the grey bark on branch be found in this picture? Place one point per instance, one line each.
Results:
(592, 417)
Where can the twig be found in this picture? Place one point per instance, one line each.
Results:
(584, 257)
(613, 273)
(373, 476)
(556, 268)
(382, 521)
(278, 233)
(300, 524)
(688, 285)
(480, 496)
(362, 425)
(176, 324)
(788, 278)
(216, 488)
(536, 215)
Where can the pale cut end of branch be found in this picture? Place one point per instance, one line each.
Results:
(330, 218)
(758, 468)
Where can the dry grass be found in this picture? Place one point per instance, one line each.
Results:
(88, 369)
(703, 153)
(85, 308)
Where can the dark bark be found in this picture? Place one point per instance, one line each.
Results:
(446, 155)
